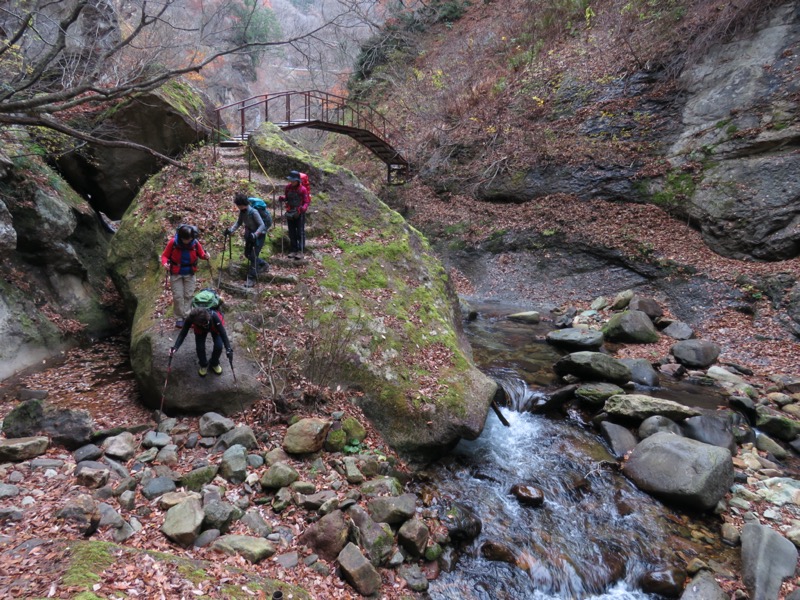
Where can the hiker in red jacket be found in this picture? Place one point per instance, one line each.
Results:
(296, 199)
(180, 260)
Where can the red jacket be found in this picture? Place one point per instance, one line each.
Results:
(296, 196)
(182, 258)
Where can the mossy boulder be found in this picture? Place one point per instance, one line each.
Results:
(387, 320)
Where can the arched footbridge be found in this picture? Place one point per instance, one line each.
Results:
(315, 110)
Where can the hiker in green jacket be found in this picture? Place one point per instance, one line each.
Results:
(204, 321)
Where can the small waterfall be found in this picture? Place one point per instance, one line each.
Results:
(594, 535)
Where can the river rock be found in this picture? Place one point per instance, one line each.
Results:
(776, 424)
(233, 464)
(358, 571)
(530, 316)
(242, 435)
(278, 476)
(681, 471)
(182, 522)
(83, 512)
(413, 536)
(392, 509)
(374, 538)
(710, 430)
(306, 436)
(703, 586)
(678, 330)
(658, 423)
(596, 394)
(695, 354)
(767, 559)
(575, 339)
(665, 582)
(631, 326)
(414, 577)
(622, 300)
(640, 406)
(619, 439)
(328, 536)
(642, 372)
(19, 449)
(767, 444)
(463, 525)
(219, 515)
(252, 549)
(593, 366)
(71, 428)
(527, 495)
(648, 306)
(122, 446)
(213, 424)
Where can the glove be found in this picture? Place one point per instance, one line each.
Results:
(166, 266)
(229, 353)
(226, 232)
(208, 256)
(172, 351)
(251, 237)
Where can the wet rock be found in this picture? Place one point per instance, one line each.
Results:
(596, 394)
(640, 407)
(665, 582)
(252, 549)
(527, 495)
(658, 423)
(575, 339)
(593, 366)
(328, 536)
(497, 551)
(306, 436)
(775, 424)
(695, 354)
(358, 571)
(19, 449)
(767, 559)
(531, 317)
(642, 372)
(681, 471)
(703, 587)
(631, 326)
(710, 430)
(619, 438)
(463, 525)
(183, 521)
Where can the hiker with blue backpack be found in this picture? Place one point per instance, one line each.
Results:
(180, 260)
(255, 231)
(204, 318)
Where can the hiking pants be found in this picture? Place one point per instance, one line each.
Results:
(297, 233)
(200, 343)
(183, 287)
(252, 250)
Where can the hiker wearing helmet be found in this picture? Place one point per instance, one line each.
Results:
(297, 199)
(180, 260)
(255, 233)
(204, 321)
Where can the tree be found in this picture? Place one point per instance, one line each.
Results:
(60, 59)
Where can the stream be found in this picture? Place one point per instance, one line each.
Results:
(594, 536)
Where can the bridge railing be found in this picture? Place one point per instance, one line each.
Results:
(296, 108)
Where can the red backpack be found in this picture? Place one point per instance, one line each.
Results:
(304, 182)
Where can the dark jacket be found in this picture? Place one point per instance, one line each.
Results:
(216, 326)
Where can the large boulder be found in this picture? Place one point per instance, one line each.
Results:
(631, 326)
(695, 354)
(681, 471)
(167, 120)
(640, 407)
(593, 366)
(767, 559)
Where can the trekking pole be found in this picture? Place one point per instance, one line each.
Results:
(221, 260)
(255, 260)
(211, 267)
(166, 379)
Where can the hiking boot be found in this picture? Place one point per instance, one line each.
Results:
(262, 262)
(298, 256)
(216, 369)
(179, 324)
(249, 283)
(202, 371)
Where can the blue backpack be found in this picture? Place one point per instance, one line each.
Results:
(263, 210)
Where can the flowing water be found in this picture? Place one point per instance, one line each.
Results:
(595, 534)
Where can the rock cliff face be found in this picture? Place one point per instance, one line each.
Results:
(167, 120)
(53, 271)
